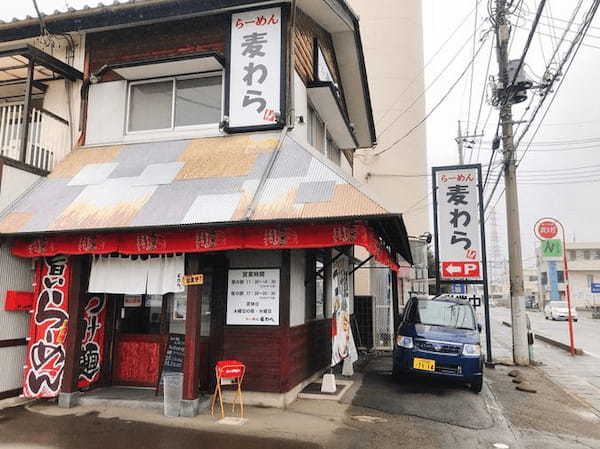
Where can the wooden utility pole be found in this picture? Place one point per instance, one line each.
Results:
(517, 293)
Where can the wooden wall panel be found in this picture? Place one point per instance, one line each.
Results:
(157, 41)
(305, 33)
(309, 350)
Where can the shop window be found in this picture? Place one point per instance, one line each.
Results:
(316, 130)
(316, 283)
(333, 151)
(174, 103)
(561, 276)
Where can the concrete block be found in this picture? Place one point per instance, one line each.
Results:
(328, 385)
(348, 368)
(68, 400)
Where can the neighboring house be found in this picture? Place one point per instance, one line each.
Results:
(583, 259)
(47, 88)
(393, 41)
(210, 197)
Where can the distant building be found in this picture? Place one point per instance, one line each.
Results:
(392, 36)
(584, 269)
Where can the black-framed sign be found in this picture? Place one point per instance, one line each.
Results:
(255, 90)
(459, 229)
(253, 296)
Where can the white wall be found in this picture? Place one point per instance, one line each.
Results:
(14, 183)
(297, 287)
(300, 131)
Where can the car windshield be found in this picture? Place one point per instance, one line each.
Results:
(558, 304)
(443, 313)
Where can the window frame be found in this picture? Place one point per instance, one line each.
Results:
(173, 79)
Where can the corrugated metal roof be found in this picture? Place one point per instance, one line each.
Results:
(87, 8)
(188, 182)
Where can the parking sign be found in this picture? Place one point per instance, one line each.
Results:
(457, 213)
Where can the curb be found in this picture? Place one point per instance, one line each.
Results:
(551, 341)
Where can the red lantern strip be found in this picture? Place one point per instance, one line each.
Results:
(210, 239)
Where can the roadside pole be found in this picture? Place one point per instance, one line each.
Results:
(571, 336)
(517, 294)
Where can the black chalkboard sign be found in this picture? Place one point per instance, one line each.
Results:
(173, 356)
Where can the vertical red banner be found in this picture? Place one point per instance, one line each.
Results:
(44, 368)
(92, 345)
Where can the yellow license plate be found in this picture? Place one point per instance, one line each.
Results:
(424, 364)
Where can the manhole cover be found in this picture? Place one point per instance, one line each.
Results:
(369, 419)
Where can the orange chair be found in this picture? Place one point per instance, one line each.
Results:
(229, 372)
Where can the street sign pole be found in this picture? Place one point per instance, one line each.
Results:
(571, 337)
(486, 299)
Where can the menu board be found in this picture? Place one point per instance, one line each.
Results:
(174, 354)
(253, 297)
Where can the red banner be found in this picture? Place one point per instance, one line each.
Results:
(211, 239)
(92, 344)
(45, 362)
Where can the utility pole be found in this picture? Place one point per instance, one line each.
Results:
(459, 141)
(517, 294)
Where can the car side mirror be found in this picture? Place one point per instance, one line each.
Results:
(479, 328)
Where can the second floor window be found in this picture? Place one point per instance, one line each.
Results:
(172, 103)
(319, 137)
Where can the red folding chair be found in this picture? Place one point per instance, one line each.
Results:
(229, 372)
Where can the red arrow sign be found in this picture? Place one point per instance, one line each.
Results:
(461, 269)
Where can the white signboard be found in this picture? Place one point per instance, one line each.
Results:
(253, 297)
(255, 68)
(458, 222)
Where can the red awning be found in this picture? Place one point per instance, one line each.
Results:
(294, 236)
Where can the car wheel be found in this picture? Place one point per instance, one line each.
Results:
(546, 316)
(477, 385)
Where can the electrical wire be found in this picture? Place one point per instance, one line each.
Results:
(437, 105)
(418, 97)
(472, 67)
(422, 72)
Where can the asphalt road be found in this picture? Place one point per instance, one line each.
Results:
(434, 400)
(23, 429)
(586, 329)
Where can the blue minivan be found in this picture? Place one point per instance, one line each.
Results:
(439, 336)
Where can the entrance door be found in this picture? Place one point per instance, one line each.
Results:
(141, 330)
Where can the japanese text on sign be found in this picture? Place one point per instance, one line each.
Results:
(253, 297)
(45, 362)
(255, 68)
(458, 221)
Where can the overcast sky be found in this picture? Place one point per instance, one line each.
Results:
(574, 114)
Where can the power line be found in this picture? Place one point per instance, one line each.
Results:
(411, 130)
(418, 97)
(472, 66)
(573, 49)
(421, 73)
